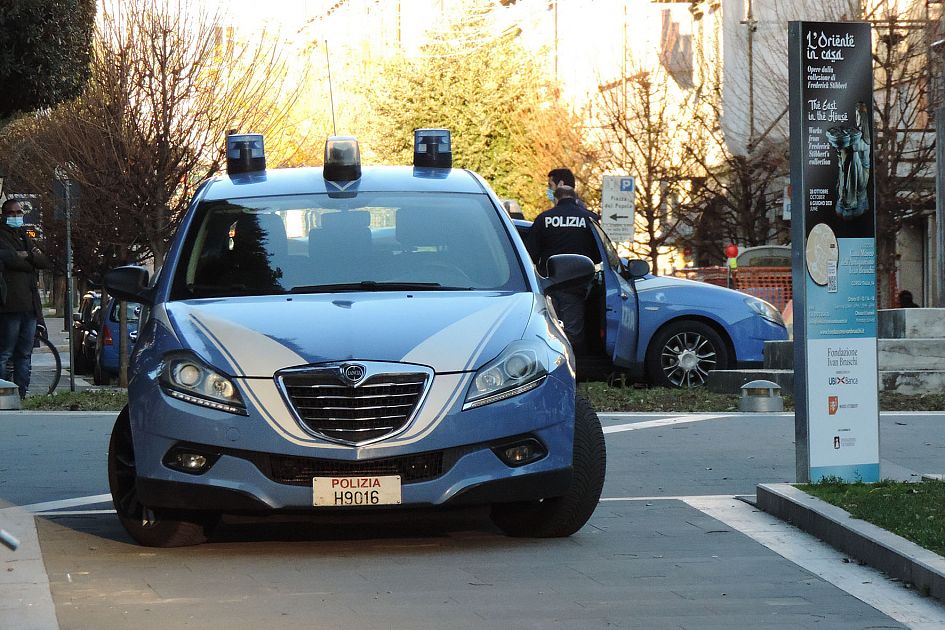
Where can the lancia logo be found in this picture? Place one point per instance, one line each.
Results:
(352, 373)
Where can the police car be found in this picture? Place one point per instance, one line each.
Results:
(348, 339)
(668, 331)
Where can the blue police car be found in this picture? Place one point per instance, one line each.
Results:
(668, 331)
(344, 339)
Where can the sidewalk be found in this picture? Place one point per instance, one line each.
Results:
(897, 557)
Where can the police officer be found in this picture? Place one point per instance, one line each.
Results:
(565, 229)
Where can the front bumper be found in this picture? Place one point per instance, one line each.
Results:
(262, 463)
(749, 336)
(190, 496)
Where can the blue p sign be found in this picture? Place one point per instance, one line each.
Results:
(626, 184)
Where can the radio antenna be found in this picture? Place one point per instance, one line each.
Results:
(331, 94)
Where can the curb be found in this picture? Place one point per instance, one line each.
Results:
(872, 545)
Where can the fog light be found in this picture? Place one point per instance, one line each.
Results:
(191, 461)
(188, 461)
(521, 453)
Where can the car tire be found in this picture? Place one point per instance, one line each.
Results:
(681, 354)
(556, 517)
(99, 376)
(78, 357)
(148, 527)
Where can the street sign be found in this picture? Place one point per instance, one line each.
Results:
(616, 207)
(59, 189)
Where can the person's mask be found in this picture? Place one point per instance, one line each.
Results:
(551, 194)
(15, 221)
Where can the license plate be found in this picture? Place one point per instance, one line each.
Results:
(355, 491)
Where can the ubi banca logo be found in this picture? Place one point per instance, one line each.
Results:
(842, 380)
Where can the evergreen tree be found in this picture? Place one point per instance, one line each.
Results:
(45, 48)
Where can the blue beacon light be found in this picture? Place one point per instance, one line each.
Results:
(432, 148)
(245, 153)
(342, 159)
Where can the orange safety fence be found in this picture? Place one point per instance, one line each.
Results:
(772, 284)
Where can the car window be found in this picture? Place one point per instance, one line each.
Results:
(132, 308)
(310, 243)
(612, 258)
(88, 305)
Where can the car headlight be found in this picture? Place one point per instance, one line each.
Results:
(765, 310)
(187, 378)
(521, 367)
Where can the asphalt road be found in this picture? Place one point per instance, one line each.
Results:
(668, 547)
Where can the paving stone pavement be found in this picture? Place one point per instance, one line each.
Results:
(643, 561)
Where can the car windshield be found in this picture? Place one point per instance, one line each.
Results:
(366, 242)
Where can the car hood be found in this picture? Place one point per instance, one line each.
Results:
(256, 336)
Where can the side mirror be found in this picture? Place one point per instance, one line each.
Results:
(567, 271)
(129, 283)
(635, 269)
(77, 317)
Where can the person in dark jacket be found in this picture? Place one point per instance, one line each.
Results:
(18, 314)
(565, 229)
(906, 301)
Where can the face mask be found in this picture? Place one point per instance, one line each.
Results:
(551, 194)
(15, 221)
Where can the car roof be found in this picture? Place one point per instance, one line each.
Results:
(310, 180)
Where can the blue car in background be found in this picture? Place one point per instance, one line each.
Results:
(338, 341)
(106, 341)
(669, 331)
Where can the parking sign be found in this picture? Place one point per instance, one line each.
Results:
(617, 198)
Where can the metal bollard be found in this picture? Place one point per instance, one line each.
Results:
(9, 395)
(761, 396)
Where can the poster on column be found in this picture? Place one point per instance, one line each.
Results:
(833, 233)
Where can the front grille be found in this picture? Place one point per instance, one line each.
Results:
(411, 468)
(382, 404)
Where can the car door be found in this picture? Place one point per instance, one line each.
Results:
(620, 305)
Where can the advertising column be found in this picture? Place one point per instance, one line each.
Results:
(834, 251)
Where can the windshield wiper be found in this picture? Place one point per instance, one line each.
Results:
(371, 285)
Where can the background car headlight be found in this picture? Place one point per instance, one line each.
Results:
(187, 378)
(765, 310)
(521, 367)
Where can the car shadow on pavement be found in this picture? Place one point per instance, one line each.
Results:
(348, 527)
(406, 526)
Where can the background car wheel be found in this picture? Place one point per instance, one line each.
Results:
(562, 516)
(682, 354)
(78, 358)
(100, 376)
(149, 527)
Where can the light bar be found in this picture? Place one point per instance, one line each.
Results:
(245, 153)
(342, 159)
(432, 148)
